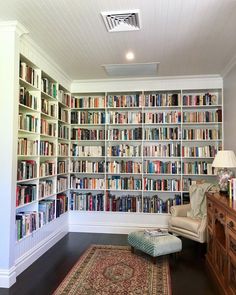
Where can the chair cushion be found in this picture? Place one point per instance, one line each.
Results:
(186, 223)
(154, 246)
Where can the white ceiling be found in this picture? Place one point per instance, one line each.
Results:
(187, 37)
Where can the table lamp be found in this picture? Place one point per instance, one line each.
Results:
(224, 160)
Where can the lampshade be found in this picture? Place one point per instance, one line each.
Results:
(224, 159)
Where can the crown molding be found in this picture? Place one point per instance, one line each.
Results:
(42, 59)
(229, 67)
(11, 26)
(184, 77)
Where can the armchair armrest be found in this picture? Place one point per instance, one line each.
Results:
(180, 210)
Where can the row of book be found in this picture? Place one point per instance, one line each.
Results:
(26, 146)
(125, 134)
(47, 148)
(128, 117)
(28, 98)
(63, 166)
(150, 184)
(61, 204)
(202, 116)
(63, 114)
(199, 151)
(124, 203)
(132, 117)
(46, 188)
(48, 128)
(63, 149)
(87, 166)
(89, 102)
(62, 183)
(202, 134)
(25, 193)
(86, 201)
(124, 167)
(87, 183)
(148, 100)
(28, 122)
(124, 150)
(29, 74)
(47, 168)
(162, 117)
(162, 99)
(49, 87)
(87, 117)
(155, 204)
(197, 167)
(162, 150)
(206, 99)
(87, 134)
(26, 169)
(161, 133)
(27, 222)
(124, 101)
(64, 97)
(63, 132)
(159, 167)
(123, 183)
(87, 151)
(48, 107)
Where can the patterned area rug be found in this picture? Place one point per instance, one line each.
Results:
(104, 270)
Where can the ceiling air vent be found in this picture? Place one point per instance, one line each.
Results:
(119, 21)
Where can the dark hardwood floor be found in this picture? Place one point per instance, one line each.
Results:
(189, 275)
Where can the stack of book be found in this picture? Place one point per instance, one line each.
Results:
(156, 232)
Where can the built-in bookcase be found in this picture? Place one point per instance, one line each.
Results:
(43, 149)
(140, 151)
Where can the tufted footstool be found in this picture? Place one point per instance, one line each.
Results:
(154, 246)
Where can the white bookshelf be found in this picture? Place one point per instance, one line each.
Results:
(43, 152)
(180, 132)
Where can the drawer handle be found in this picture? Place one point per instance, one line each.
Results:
(209, 205)
(233, 246)
(231, 224)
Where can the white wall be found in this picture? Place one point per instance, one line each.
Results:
(229, 87)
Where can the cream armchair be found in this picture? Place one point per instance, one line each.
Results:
(190, 221)
(188, 227)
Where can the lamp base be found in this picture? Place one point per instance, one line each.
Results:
(224, 175)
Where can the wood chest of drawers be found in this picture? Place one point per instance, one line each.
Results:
(221, 248)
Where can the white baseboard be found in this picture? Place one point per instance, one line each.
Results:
(33, 254)
(111, 228)
(114, 222)
(7, 277)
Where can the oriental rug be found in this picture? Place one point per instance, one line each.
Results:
(104, 270)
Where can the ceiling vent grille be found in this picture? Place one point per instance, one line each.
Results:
(120, 21)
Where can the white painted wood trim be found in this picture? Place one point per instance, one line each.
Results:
(147, 84)
(114, 222)
(34, 253)
(7, 277)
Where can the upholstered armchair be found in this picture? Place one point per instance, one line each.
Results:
(190, 220)
(182, 225)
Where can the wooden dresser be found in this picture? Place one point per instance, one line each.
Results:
(221, 248)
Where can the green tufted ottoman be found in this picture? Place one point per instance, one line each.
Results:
(154, 246)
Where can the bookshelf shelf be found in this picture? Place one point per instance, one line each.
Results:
(38, 151)
(168, 126)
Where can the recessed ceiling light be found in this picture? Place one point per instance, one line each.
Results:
(130, 55)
